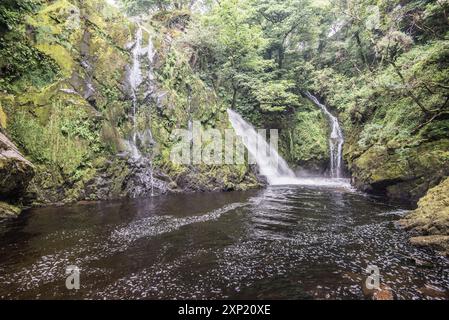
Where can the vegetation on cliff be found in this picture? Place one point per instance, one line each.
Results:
(382, 66)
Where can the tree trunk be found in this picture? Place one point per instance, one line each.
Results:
(362, 52)
(410, 92)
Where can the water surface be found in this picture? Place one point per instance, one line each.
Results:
(280, 243)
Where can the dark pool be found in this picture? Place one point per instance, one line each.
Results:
(278, 243)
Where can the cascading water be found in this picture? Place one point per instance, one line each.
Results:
(140, 142)
(336, 139)
(135, 79)
(270, 163)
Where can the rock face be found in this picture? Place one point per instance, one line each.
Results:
(430, 222)
(15, 174)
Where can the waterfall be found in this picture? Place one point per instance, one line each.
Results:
(336, 139)
(142, 83)
(135, 80)
(270, 163)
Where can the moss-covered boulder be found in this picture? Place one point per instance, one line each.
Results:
(304, 140)
(402, 173)
(15, 171)
(8, 211)
(430, 222)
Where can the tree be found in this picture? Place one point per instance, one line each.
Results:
(136, 7)
(235, 46)
(286, 24)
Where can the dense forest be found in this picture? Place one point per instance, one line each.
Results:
(68, 111)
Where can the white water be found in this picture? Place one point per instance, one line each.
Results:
(135, 79)
(336, 139)
(270, 163)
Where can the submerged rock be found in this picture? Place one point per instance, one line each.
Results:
(430, 222)
(384, 293)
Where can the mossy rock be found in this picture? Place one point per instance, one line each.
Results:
(404, 173)
(431, 220)
(15, 171)
(8, 211)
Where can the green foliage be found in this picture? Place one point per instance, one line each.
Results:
(308, 138)
(22, 64)
(136, 7)
(65, 143)
(276, 95)
(12, 12)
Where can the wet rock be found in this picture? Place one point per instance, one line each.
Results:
(15, 171)
(434, 292)
(383, 293)
(430, 222)
(439, 243)
(143, 181)
(125, 177)
(422, 263)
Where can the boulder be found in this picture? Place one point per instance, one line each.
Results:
(7, 210)
(15, 171)
(400, 174)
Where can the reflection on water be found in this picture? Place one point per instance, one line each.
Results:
(282, 242)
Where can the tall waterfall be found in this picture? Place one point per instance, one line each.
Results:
(336, 139)
(135, 79)
(142, 84)
(270, 163)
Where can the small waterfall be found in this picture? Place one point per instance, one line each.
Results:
(336, 139)
(270, 163)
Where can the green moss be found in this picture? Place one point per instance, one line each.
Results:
(8, 211)
(431, 219)
(3, 118)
